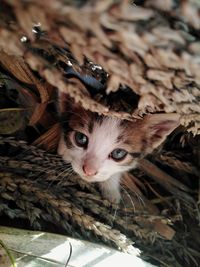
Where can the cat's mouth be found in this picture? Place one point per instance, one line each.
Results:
(88, 179)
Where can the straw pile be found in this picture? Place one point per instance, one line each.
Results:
(143, 57)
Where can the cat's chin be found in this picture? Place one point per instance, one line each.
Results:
(93, 179)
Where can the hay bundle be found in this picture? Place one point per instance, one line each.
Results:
(141, 58)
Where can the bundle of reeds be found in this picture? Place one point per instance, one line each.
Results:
(143, 58)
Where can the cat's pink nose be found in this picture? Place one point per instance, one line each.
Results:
(88, 170)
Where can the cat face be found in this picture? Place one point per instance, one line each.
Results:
(96, 147)
(99, 147)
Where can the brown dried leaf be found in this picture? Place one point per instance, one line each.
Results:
(164, 230)
(39, 111)
(132, 183)
(13, 47)
(49, 140)
(11, 120)
(21, 71)
(17, 67)
(168, 182)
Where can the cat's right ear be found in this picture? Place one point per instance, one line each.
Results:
(156, 127)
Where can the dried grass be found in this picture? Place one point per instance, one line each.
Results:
(149, 53)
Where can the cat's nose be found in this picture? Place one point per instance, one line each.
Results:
(88, 170)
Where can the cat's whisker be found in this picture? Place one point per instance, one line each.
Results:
(68, 175)
(71, 176)
(114, 216)
(42, 174)
(50, 184)
(124, 209)
(48, 171)
(129, 196)
(140, 199)
(61, 173)
(54, 170)
(70, 172)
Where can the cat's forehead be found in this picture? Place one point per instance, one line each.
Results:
(102, 127)
(107, 127)
(104, 136)
(108, 133)
(97, 124)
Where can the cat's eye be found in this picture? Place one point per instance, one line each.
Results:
(81, 139)
(118, 154)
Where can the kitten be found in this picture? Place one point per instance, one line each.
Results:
(100, 148)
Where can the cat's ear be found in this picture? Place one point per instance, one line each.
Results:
(156, 127)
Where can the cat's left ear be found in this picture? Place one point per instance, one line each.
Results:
(156, 127)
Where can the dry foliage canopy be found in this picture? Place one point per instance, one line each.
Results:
(151, 50)
(118, 58)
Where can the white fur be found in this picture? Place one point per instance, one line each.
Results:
(102, 142)
(111, 188)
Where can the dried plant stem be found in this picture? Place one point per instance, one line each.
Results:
(10, 256)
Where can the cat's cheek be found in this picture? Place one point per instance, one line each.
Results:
(67, 154)
(76, 169)
(110, 168)
(61, 146)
